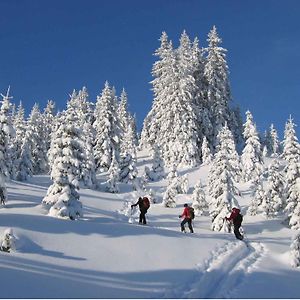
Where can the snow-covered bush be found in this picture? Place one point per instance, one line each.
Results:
(7, 242)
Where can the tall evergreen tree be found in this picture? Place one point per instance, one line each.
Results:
(251, 159)
(274, 197)
(68, 151)
(218, 88)
(199, 204)
(221, 185)
(291, 154)
(37, 143)
(107, 129)
(6, 132)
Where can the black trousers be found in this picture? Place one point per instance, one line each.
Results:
(189, 221)
(236, 231)
(143, 216)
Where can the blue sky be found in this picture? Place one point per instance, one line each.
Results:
(48, 48)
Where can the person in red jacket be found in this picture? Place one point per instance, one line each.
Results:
(236, 218)
(186, 219)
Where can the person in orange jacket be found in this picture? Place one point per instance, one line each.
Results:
(186, 219)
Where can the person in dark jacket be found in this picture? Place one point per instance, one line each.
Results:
(143, 211)
(186, 219)
(236, 218)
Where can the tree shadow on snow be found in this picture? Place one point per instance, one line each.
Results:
(26, 245)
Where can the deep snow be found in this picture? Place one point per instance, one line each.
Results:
(104, 256)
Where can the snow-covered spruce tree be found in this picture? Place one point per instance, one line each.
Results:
(257, 200)
(295, 251)
(128, 170)
(221, 185)
(199, 204)
(114, 176)
(122, 111)
(20, 128)
(157, 171)
(68, 153)
(169, 196)
(6, 133)
(38, 142)
(275, 143)
(291, 146)
(200, 99)
(218, 88)
(107, 129)
(172, 121)
(291, 154)
(160, 73)
(83, 112)
(251, 158)
(172, 174)
(25, 167)
(207, 156)
(274, 196)
(49, 122)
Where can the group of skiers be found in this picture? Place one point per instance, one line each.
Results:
(187, 216)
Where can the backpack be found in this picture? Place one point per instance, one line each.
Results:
(192, 212)
(146, 203)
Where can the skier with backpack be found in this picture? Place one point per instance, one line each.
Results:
(187, 215)
(236, 218)
(144, 205)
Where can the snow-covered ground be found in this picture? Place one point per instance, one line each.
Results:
(104, 256)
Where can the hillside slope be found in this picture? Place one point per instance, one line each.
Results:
(104, 256)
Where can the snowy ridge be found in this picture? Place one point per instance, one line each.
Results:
(222, 274)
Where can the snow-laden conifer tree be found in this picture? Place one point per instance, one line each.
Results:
(6, 134)
(199, 204)
(25, 167)
(274, 200)
(128, 170)
(169, 196)
(8, 131)
(251, 159)
(20, 128)
(172, 174)
(275, 143)
(68, 153)
(107, 129)
(157, 171)
(172, 121)
(291, 146)
(291, 154)
(113, 176)
(122, 111)
(221, 185)
(257, 200)
(207, 156)
(295, 250)
(218, 89)
(49, 122)
(37, 143)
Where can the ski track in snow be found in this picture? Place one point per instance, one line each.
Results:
(222, 274)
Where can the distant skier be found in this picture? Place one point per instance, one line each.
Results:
(144, 205)
(187, 218)
(236, 218)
